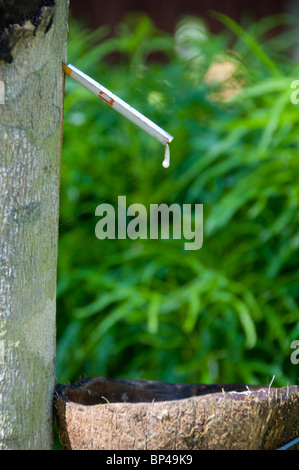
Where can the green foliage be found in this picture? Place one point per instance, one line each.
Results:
(148, 309)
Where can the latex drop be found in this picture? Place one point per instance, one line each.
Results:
(166, 160)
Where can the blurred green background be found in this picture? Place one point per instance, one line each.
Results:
(148, 309)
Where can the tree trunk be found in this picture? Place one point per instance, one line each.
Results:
(32, 48)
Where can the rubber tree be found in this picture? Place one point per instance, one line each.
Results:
(33, 37)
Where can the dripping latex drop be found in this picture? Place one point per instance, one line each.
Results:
(166, 160)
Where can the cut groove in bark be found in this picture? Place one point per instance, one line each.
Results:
(20, 19)
(119, 414)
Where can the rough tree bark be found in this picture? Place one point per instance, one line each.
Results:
(32, 47)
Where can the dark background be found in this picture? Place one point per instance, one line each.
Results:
(165, 14)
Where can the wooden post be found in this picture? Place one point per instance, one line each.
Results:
(32, 47)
